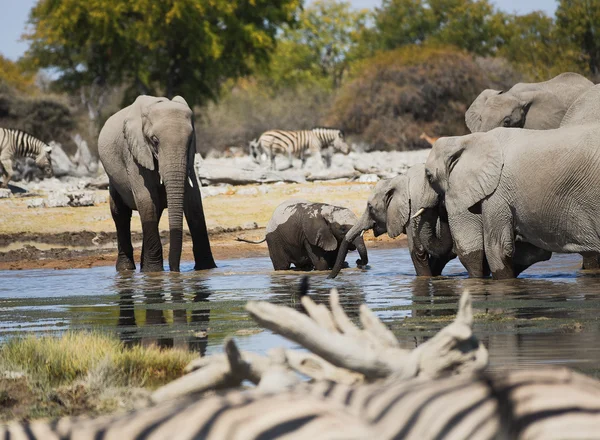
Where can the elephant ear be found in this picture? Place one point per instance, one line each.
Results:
(542, 110)
(319, 234)
(397, 202)
(133, 130)
(473, 114)
(476, 167)
(180, 100)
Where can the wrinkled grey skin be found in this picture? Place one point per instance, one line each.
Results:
(537, 106)
(538, 187)
(141, 146)
(390, 207)
(585, 109)
(308, 235)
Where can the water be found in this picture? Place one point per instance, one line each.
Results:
(549, 316)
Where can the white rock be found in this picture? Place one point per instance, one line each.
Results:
(368, 178)
(81, 198)
(248, 191)
(36, 203)
(5, 193)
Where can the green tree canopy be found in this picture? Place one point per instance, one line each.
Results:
(318, 48)
(578, 22)
(473, 25)
(186, 47)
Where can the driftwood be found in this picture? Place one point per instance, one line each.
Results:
(339, 351)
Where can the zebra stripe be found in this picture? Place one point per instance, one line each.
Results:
(546, 404)
(298, 143)
(17, 143)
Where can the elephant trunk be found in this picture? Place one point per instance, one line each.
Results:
(434, 234)
(175, 180)
(362, 225)
(362, 251)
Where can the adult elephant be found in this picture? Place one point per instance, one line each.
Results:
(147, 150)
(539, 187)
(308, 235)
(585, 109)
(390, 208)
(537, 106)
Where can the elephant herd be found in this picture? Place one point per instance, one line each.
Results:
(524, 184)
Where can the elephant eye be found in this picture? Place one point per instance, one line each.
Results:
(154, 140)
(428, 175)
(506, 122)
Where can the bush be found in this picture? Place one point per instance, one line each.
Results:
(397, 95)
(45, 117)
(249, 109)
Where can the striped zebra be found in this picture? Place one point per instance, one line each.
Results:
(297, 144)
(17, 143)
(550, 403)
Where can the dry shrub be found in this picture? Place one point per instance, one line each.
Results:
(250, 109)
(46, 117)
(397, 95)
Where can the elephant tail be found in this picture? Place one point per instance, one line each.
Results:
(250, 241)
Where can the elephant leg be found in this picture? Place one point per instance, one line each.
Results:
(194, 215)
(150, 211)
(121, 214)
(437, 264)
(499, 243)
(591, 261)
(278, 256)
(526, 255)
(317, 257)
(467, 232)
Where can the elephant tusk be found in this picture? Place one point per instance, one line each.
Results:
(419, 212)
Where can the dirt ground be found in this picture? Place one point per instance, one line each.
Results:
(67, 238)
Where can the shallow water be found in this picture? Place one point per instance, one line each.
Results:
(548, 316)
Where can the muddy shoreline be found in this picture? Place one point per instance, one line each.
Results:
(85, 249)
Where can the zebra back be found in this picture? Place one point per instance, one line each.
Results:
(17, 143)
(293, 143)
(544, 404)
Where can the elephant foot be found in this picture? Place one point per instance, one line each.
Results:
(591, 262)
(124, 263)
(152, 267)
(506, 273)
(203, 265)
(360, 264)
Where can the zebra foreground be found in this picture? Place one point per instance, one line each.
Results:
(366, 387)
(17, 143)
(297, 144)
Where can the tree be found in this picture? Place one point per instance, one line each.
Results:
(534, 43)
(186, 47)
(318, 49)
(12, 74)
(578, 21)
(473, 25)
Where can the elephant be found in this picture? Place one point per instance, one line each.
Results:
(538, 187)
(390, 208)
(147, 149)
(538, 106)
(308, 235)
(585, 109)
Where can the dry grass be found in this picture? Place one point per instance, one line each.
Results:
(56, 361)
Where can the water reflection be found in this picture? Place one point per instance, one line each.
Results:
(547, 316)
(160, 296)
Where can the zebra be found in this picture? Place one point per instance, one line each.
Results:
(297, 143)
(550, 403)
(16, 143)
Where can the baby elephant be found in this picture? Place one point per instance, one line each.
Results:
(309, 235)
